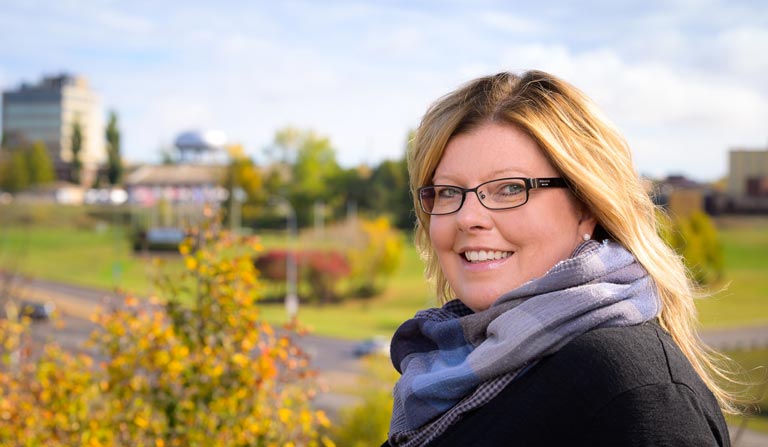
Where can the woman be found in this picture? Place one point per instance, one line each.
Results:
(567, 320)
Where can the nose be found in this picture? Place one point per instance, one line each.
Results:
(473, 215)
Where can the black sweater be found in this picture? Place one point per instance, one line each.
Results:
(627, 386)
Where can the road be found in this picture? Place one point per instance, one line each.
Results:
(333, 358)
(337, 367)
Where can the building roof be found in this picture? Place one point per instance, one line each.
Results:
(177, 175)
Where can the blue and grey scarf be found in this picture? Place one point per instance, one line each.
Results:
(450, 355)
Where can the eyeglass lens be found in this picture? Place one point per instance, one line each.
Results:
(496, 194)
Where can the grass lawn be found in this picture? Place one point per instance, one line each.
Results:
(743, 296)
(64, 244)
(754, 365)
(406, 293)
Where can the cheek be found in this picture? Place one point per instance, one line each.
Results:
(440, 234)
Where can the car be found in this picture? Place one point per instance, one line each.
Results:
(375, 345)
(36, 311)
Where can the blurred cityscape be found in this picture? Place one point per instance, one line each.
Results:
(60, 148)
(80, 164)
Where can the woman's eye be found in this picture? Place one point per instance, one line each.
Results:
(448, 193)
(512, 189)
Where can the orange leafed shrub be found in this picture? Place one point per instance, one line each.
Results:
(168, 374)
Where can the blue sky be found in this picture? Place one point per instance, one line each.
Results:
(683, 80)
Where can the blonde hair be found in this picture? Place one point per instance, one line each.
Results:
(595, 160)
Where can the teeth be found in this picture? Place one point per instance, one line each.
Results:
(483, 255)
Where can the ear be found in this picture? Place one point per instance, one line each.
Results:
(587, 220)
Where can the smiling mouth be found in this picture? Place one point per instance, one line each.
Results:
(485, 255)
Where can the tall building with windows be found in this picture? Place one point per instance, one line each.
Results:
(47, 111)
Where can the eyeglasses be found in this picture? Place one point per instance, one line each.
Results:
(500, 194)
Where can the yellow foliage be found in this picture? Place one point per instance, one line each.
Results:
(378, 255)
(168, 374)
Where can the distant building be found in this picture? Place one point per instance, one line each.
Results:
(47, 112)
(183, 184)
(680, 195)
(747, 188)
(748, 173)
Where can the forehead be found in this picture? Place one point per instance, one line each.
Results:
(491, 151)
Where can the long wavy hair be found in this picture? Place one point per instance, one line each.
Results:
(595, 160)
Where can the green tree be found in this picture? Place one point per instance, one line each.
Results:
(39, 164)
(313, 168)
(16, 171)
(76, 143)
(352, 185)
(114, 158)
(391, 194)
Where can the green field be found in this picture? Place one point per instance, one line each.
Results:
(741, 298)
(65, 244)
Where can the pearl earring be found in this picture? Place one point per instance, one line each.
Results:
(586, 237)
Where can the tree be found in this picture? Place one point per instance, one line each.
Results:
(391, 194)
(695, 238)
(16, 171)
(168, 373)
(313, 168)
(76, 147)
(114, 159)
(376, 256)
(39, 164)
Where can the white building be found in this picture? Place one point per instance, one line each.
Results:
(47, 112)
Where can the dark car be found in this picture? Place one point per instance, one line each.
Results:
(36, 311)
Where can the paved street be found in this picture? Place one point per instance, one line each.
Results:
(333, 358)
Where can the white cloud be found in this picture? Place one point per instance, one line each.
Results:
(509, 23)
(364, 73)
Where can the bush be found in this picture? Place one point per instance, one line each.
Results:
(695, 238)
(367, 424)
(167, 374)
(318, 271)
(376, 257)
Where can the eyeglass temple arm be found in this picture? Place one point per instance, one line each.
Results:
(549, 182)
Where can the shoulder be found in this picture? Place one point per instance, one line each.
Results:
(615, 382)
(621, 358)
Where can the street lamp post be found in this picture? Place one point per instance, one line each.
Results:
(236, 200)
(291, 270)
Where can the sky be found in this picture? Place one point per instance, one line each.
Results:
(684, 81)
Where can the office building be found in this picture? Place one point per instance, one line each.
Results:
(47, 112)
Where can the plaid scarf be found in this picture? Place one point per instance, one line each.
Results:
(453, 360)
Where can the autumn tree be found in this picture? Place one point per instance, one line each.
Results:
(376, 255)
(169, 373)
(695, 238)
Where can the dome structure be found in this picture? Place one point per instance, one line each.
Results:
(201, 141)
(195, 144)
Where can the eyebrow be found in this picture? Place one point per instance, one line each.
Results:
(493, 175)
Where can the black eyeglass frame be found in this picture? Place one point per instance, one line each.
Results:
(530, 183)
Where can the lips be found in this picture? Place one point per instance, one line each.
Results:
(485, 255)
